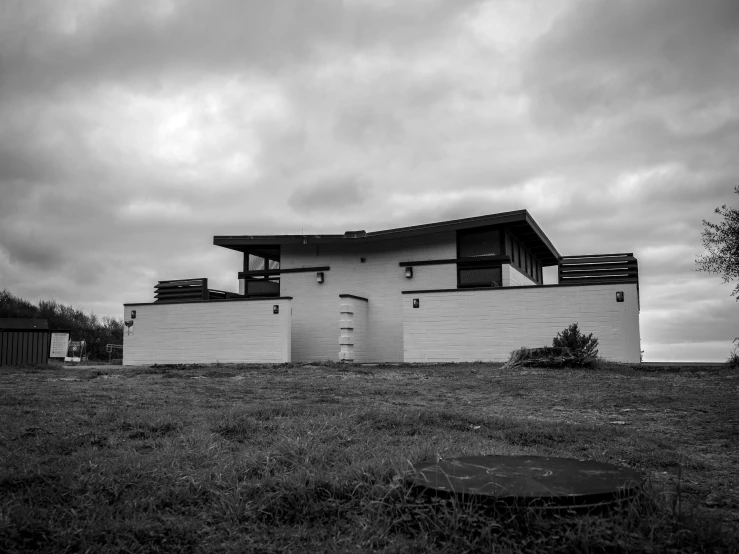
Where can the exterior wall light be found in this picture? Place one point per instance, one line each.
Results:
(319, 277)
(620, 296)
(416, 303)
(276, 309)
(409, 272)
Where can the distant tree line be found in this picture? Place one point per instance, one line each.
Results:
(95, 331)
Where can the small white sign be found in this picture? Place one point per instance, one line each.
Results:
(59, 344)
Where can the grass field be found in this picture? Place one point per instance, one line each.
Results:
(297, 458)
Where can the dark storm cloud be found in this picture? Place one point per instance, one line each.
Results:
(30, 247)
(124, 40)
(603, 57)
(331, 194)
(651, 88)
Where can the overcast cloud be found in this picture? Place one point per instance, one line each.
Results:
(132, 132)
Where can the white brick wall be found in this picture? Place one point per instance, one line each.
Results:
(207, 332)
(512, 277)
(380, 279)
(488, 325)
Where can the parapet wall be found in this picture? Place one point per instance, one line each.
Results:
(245, 331)
(471, 325)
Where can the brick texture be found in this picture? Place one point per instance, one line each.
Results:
(208, 332)
(512, 277)
(488, 325)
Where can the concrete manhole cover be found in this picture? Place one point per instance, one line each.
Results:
(528, 479)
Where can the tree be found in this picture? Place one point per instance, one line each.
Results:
(96, 332)
(721, 240)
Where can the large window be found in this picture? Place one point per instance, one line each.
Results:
(260, 263)
(265, 260)
(474, 244)
(488, 276)
(479, 243)
(262, 286)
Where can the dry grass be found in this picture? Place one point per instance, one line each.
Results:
(291, 458)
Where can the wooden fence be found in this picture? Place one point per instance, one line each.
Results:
(599, 268)
(189, 290)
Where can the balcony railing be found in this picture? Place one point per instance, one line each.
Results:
(598, 268)
(189, 290)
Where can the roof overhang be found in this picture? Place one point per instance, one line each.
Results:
(520, 223)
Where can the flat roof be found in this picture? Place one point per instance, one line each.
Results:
(519, 222)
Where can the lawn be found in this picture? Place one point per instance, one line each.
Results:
(310, 457)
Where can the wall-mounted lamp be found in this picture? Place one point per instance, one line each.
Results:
(276, 309)
(416, 303)
(409, 272)
(319, 277)
(133, 314)
(619, 296)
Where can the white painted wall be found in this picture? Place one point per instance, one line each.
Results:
(512, 277)
(487, 325)
(207, 332)
(379, 279)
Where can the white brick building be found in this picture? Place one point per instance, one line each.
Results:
(462, 290)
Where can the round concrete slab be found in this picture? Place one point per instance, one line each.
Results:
(549, 480)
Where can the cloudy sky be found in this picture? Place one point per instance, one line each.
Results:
(131, 132)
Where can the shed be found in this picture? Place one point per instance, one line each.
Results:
(26, 341)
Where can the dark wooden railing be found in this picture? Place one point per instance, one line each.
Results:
(598, 268)
(189, 290)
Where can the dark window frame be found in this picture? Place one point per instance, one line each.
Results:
(478, 230)
(270, 257)
(524, 259)
(462, 266)
(466, 266)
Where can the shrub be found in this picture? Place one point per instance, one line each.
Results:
(581, 346)
(546, 356)
(570, 348)
(733, 361)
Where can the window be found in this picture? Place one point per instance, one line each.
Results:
(256, 263)
(476, 243)
(486, 276)
(262, 259)
(479, 243)
(520, 254)
(263, 287)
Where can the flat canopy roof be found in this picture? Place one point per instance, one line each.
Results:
(520, 223)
